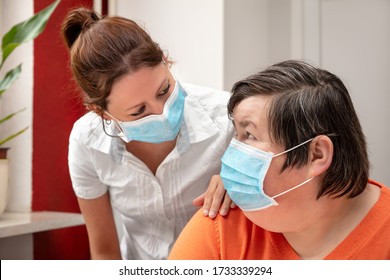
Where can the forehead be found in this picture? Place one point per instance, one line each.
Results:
(141, 80)
(253, 109)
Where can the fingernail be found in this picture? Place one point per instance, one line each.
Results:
(212, 214)
(223, 212)
(205, 212)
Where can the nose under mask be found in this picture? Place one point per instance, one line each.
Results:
(243, 171)
(156, 128)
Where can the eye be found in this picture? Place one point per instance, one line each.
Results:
(249, 136)
(165, 90)
(140, 111)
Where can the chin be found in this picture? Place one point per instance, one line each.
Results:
(266, 219)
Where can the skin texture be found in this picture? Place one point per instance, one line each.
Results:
(102, 234)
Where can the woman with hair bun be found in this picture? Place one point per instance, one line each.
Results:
(148, 149)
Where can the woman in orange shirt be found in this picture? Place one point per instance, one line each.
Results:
(299, 172)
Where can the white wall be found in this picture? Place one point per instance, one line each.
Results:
(213, 43)
(246, 38)
(360, 53)
(191, 32)
(19, 96)
(20, 155)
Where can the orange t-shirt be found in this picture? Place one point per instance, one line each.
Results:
(235, 237)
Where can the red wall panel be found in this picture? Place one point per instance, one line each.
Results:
(55, 108)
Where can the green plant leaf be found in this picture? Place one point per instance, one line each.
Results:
(10, 116)
(26, 30)
(17, 35)
(2, 141)
(9, 78)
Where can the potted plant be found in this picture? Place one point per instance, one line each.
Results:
(18, 34)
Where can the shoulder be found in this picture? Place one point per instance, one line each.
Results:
(236, 220)
(206, 95)
(205, 101)
(385, 191)
(206, 238)
(380, 212)
(85, 125)
(197, 241)
(87, 133)
(220, 223)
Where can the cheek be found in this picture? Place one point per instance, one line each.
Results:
(274, 180)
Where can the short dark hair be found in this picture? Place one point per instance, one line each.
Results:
(306, 102)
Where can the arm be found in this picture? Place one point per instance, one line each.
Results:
(102, 234)
(199, 240)
(214, 199)
(92, 194)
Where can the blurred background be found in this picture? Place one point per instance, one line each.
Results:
(213, 43)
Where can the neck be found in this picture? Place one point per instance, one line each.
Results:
(339, 218)
(151, 154)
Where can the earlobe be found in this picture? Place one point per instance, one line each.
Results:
(321, 154)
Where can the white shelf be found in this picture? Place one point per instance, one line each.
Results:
(12, 224)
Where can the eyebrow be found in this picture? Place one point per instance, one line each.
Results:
(243, 123)
(135, 106)
(166, 79)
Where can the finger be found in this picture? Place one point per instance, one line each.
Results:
(233, 205)
(209, 194)
(198, 201)
(208, 199)
(225, 207)
(218, 197)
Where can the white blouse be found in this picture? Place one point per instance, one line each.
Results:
(152, 209)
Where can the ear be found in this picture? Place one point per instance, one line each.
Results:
(167, 61)
(98, 110)
(320, 154)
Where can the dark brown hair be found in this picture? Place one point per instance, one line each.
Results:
(306, 102)
(102, 49)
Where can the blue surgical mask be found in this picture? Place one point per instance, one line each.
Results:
(156, 128)
(243, 171)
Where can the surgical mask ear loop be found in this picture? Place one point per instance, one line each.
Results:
(293, 148)
(301, 184)
(115, 121)
(293, 188)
